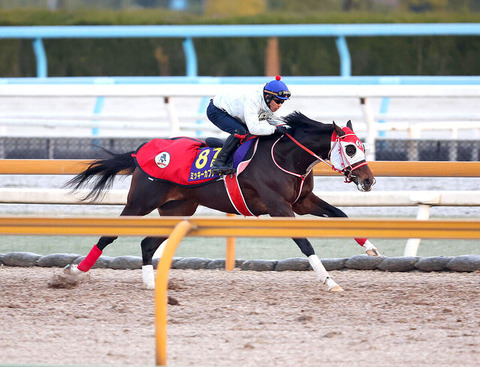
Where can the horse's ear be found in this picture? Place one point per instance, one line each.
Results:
(349, 124)
(338, 129)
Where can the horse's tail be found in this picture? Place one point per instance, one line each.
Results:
(101, 173)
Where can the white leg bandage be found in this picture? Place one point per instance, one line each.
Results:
(148, 276)
(370, 249)
(321, 272)
(318, 267)
(369, 246)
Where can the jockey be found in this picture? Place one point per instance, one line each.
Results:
(239, 114)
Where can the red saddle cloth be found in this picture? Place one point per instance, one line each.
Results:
(183, 161)
(187, 162)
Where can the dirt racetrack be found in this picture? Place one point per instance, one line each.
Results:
(243, 318)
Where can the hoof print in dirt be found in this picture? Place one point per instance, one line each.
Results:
(62, 280)
(173, 301)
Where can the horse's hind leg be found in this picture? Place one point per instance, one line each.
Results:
(97, 250)
(151, 244)
(143, 197)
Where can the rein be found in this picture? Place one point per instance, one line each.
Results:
(293, 173)
(311, 152)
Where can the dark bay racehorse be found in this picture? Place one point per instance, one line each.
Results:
(278, 181)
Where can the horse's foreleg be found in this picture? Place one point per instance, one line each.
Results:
(370, 249)
(322, 273)
(312, 204)
(278, 208)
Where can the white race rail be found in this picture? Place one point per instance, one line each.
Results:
(175, 120)
(337, 198)
(423, 199)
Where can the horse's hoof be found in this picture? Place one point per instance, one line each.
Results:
(71, 269)
(336, 288)
(373, 252)
(68, 280)
(332, 286)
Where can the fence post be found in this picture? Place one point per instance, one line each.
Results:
(230, 252)
(41, 56)
(161, 286)
(345, 60)
(371, 128)
(411, 248)
(173, 115)
(190, 56)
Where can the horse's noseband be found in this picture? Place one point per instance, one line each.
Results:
(348, 172)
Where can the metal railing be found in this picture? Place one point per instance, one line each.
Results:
(421, 199)
(379, 168)
(175, 123)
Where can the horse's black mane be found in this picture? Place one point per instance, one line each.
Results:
(298, 120)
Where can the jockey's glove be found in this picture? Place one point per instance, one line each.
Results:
(282, 129)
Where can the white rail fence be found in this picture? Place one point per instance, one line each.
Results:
(179, 109)
(424, 200)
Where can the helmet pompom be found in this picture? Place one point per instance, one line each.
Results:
(278, 77)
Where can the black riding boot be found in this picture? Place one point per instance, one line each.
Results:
(223, 165)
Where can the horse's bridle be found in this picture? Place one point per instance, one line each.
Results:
(346, 170)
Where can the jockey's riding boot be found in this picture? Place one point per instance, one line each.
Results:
(223, 165)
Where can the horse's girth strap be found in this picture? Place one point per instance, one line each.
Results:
(235, 195)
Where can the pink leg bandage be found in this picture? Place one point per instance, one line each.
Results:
(91, 258)
(361, 241)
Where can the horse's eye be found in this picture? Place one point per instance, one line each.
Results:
(350, 150)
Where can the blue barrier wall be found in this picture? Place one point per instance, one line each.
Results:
(255, 80)
(188, 32)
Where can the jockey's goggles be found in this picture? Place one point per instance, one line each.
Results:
(281, 94)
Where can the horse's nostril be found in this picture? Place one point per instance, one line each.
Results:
(368, 183)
